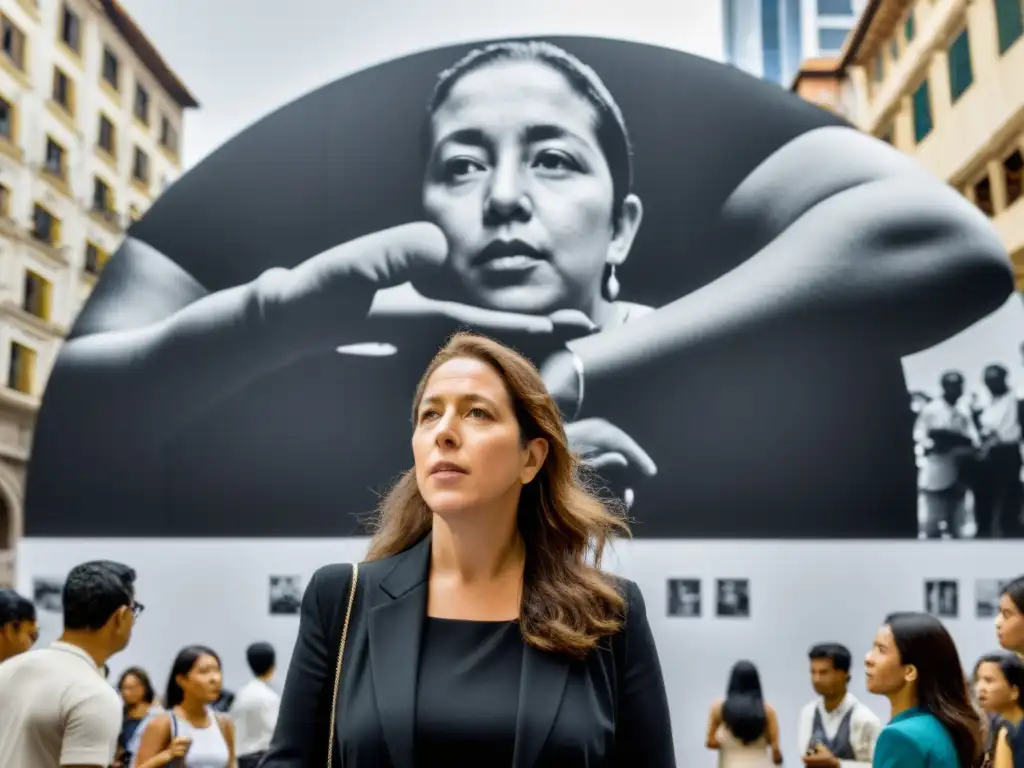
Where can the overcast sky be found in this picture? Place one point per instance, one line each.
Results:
(244, 58)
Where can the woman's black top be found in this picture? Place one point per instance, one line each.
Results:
(467, 696)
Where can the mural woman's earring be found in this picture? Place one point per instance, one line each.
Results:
(611, 286)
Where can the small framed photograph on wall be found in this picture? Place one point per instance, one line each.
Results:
(285, 595)
(942, 598)
(684, 598)
(732, 598)
(987, 593)
(48, 594)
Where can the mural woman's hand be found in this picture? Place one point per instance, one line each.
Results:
(326, 298)
(402, 304)
(612, 453)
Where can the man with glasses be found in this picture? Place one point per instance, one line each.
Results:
(57, 710)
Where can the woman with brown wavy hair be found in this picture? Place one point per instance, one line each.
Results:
(481, 629)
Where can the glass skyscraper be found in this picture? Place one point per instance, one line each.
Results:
(770, 38)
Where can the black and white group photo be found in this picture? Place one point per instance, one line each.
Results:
(47, 594)
(285, 593)
(968, 447)
(662, 261)
(684, 598)
(986, 597)
(732, 598)
(942, 598)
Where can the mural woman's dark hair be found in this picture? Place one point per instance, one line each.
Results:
(743, 711)
(183, 664)
(942, 687)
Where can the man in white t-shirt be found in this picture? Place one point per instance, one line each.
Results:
(835, 730)
(57, 710)
(255, 707)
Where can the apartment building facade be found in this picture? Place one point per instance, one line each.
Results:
(942, 80)
(90, 134)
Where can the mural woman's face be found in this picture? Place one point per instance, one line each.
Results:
(519, 185)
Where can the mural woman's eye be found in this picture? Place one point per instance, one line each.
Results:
(479, 413)
(462, 169)
(553, 160)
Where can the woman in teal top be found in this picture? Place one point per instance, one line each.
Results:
(915, 664)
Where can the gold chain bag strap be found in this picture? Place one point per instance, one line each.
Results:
(341, 656)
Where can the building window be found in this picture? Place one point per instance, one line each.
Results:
(830, 40)
(1013, 170)
(771, 41)
(107, 137)
(1009, 23)
(45, 226)
(908, 27)
(63, 90)
(38, 295)
(140, 166)
(111, 67)
(878, 68)
(55, 162)
(922, 112)
(6, 120)
(141, 104)
(71, 30)
(894, 49)
(983, 196)
(21, 371)
(95, 258)
(168, 136)
(14, 44)
(835, 7)
(102, 197)
(961, 74)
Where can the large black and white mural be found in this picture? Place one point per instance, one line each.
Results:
(748, 281)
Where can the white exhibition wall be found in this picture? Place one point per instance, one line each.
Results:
(215, 592)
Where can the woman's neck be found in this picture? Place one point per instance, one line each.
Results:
(193, 709)
(138, 711)
(477, 549)
(901, 701)
(1013, 714)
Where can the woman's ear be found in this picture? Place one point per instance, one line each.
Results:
(536, 452)
(626, 227)
(910, 673)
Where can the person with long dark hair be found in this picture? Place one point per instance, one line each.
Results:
(138, 696)
(1010, 619)
(190, 734)
(742, 726)
(481, 630)
(914, 663)
(999, 686)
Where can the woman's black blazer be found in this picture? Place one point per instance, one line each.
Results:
(608, 710)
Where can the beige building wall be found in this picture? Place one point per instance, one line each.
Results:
(90, 127)
(958, 66)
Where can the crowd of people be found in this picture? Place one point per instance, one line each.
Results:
(914, 663)
(480, 629)
(59, 708)
(969, 458)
